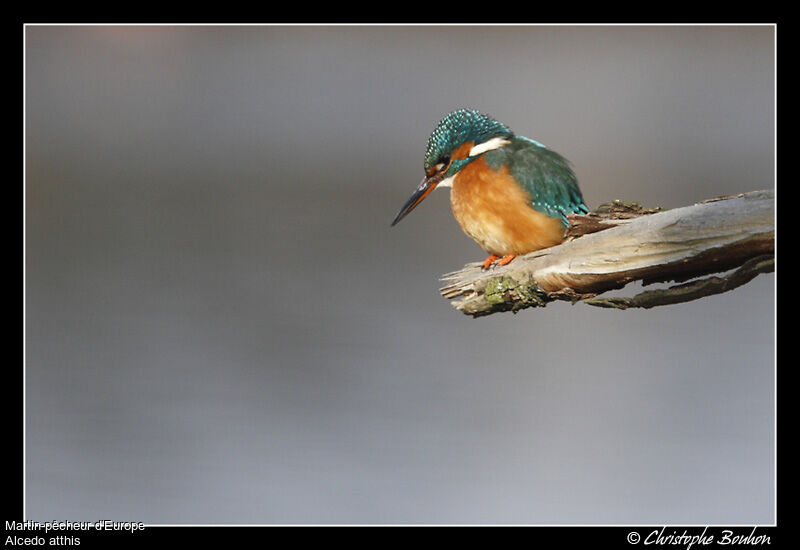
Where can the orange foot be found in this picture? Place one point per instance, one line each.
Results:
(503, 261)
(507, 258)
(488, 261)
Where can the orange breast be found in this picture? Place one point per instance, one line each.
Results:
(496, 213)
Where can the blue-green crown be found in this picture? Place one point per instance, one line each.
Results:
(459, 127)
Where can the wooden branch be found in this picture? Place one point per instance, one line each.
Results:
(622, 242)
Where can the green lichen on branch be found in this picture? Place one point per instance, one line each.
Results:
(508, 294)
(517, 294)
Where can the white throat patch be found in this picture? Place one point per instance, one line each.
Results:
(447, 182)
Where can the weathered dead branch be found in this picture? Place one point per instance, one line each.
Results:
(622, 242)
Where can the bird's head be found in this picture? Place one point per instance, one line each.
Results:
(458, 139)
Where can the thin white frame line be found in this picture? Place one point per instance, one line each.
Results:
(775, 291)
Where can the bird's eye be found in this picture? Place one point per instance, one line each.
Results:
(444, 162)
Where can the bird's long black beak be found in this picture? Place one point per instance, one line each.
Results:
(423, 190)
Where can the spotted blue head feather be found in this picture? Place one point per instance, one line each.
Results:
(459, 127)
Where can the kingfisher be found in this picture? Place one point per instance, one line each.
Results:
(509, 193)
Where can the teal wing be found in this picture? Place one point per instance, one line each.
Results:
(545, 174)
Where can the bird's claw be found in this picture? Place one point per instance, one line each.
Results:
(487, 263)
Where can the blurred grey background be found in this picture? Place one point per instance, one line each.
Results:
(222, 328)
